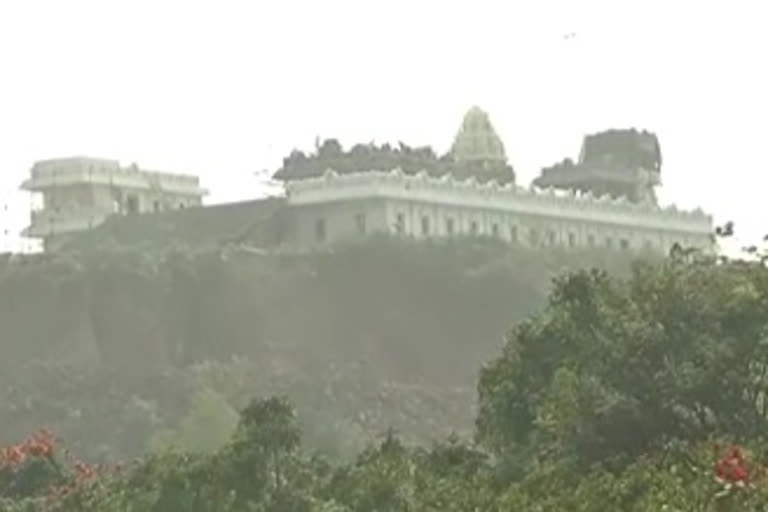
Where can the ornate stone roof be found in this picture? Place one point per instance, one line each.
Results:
(623, 148)
(477, 140)
(477, 151)
(621, 163)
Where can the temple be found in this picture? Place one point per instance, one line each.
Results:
(605, 200)
(619, 163)
(478, 151)
(80, 193)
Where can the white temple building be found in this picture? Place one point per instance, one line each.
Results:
(79, 193)
(333, 208)
(606, 200)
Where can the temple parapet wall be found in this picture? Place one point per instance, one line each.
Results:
(108, 172)
(468, 193)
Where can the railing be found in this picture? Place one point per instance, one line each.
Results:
(51, 176)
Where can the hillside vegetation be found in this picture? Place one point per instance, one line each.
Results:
(110, 345)
(637, 392)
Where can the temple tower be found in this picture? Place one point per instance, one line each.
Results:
(478, 149)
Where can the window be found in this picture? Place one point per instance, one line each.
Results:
(132, 204)
(360, 223)
(609, 242)
(624, 244)
(495, 230)
(533, 237)
(552, 237)
(513, 233)
(571, 240)
(450, 227)
(591, 240)
(156, 206)
(400, 224)
(473, 229)
(182, 206)
(320, 230)
(425, 225)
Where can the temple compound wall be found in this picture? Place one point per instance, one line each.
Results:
(336, 207)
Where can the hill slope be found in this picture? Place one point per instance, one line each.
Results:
(375, 334)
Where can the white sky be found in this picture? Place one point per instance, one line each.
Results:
(225, 88)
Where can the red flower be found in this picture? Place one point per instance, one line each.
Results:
(739, 474)
(732, 467)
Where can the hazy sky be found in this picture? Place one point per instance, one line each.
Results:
(224, 88)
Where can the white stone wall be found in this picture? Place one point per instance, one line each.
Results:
(421, 206)
(81, 193)
(322, 224)
(71, 171)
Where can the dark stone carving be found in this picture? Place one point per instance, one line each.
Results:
(620, 163)
(368, 157)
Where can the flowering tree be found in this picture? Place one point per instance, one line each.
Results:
(39, 470)
(731, 469)
(740, 479)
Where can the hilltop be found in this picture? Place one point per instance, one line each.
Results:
(378, 334)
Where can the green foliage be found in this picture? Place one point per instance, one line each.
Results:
(98, 411)
(166, 325)
(207, 426)
(620, 394)
(613, 368)
(330, 155)
(261, 468)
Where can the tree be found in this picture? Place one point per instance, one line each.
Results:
(262, 456)
(207, 427)
(613, 368)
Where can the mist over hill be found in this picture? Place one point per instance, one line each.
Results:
(365, 336)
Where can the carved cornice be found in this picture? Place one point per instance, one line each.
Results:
(491, 195)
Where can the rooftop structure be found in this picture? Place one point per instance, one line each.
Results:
(476, 151)
(620, 163)
(477, 140)
(606, 200)
(80, 193)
